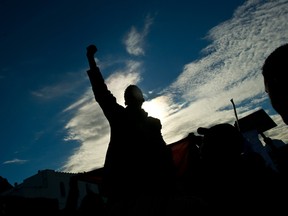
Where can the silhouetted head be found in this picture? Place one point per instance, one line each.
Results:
(221, 142)
(133, 96)
(275, 71)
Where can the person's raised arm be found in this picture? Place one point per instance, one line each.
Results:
(100, 90)
(102, 95)
(91, 50)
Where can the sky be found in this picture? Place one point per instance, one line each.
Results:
(190, 58)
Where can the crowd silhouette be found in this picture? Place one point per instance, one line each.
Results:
(220, 177)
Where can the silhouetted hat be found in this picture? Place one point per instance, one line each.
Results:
(221, 139)
(202, 130)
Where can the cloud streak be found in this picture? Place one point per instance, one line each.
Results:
(15, 161)
(134, 40)
(59, 89)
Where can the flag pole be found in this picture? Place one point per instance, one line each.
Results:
(237, 121)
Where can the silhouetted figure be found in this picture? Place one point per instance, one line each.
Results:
(71, 206)
(138, 163)
(220, 154)
(231, 181)
(92, 203)
(275, 71)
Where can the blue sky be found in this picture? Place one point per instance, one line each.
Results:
(189, 58)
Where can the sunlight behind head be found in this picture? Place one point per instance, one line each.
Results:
(156, 108)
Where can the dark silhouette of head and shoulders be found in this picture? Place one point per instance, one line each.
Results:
(231, 178)
(275, 71)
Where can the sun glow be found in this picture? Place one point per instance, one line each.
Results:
(156, 108)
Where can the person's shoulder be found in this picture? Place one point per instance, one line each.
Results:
(154, 121)
(151, 118)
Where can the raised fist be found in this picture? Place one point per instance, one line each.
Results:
(91, 50)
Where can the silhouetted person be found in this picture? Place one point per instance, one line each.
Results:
(230, 181)
(92, 203)
(72, 198)
(275, 71)
(220, 154)
(138, 162)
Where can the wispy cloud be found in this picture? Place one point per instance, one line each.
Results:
(231, 68)
(134, 41)
(15, 161)
(200, 96)
(67, 86)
